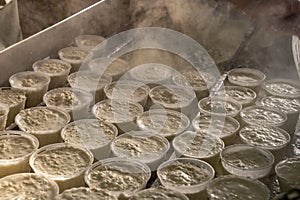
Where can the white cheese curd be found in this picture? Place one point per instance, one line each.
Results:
(117, 111)
(200, 145)
(238, 188)
(88, 81)
(200, 82)
(93, 134)
(220, 106)
(141, 145)
(289, 106)
(197, 144)
(243, 77)
(42, 119)
(224, 126)
(243, 160)
(287, 171)
(175, 174)
(268, 137)
(243, 95)
(75, 101)
(73, 53)
(4, 110)
(246, 77)
(282, 87)
(262, 115)
(14, 99)
(110, 66)
(16, 144)
(88, 42)
(57, 70)
(187, 176)
(43, 122)
(27, 186)
(91, 82)
(61, 160)
(15, 149)
(51, 67)
(286, 105)
(247, 161)
(151, 73)
(11, 97)
(195, 79)
(130, 90)
(34, 84)
(74, 56)
(67, 98)
(121, 113)
(118, 175)
(166, 123)
(63, 163)
(29, 80)
(172, 97)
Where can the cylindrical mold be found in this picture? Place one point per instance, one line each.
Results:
(282, 87)
(152, 74)
(118, 175)
(219, 106)
(57, 70)
(116, 68)
(88, 42)
(34, 84)
(289, 106)
(74, 56)
(95, 135)
(63, 163)
(224, 127)
(13, 98)
(199, 145)
(16, 148)
(142, 146)
(247, 77)
(270, 138)
(187, 176)
(90, 82)
(243, 95)
(287, 172)
(27, 186)
(247, 161)
(131, 90)
(43, 122)
(262, 115)
(121, 113)
(200, 82)
(75, 101)
(166, 123)
(231, 187)
(175, 98)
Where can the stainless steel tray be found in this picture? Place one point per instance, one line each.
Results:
(272, 54)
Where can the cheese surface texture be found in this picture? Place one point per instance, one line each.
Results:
(237, 188)
(15, 147)
(27, 186)
(41, 119)
(65, 161)
(183, 174)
